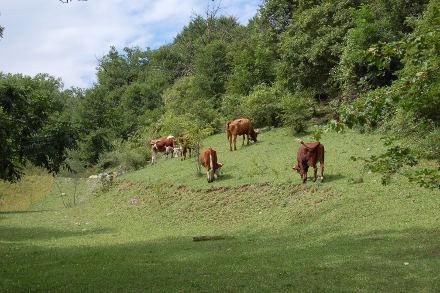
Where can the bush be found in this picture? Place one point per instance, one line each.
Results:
(262, 106)
(232, 107)
(125, 159)
(297, 110)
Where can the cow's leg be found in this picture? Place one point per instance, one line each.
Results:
(243, 139)
(315, 170)
(235, 142)
(322, 171)
(230, 142)
(184, 153)
(189, 149)
(303, 172)
(210, 175)
(247, 137)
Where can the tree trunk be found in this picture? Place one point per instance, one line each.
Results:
(199, 166)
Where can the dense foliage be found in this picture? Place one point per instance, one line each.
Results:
(33, 127)
(369, 64)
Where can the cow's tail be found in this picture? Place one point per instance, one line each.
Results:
(227, 129)
(301, 142)
(211, 164)
(304, 144)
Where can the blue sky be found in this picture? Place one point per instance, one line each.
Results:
(65, 40)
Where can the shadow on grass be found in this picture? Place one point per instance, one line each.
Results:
(386, 260)
(23, 212)
(333, 177)
(16, 234)
(224, 177)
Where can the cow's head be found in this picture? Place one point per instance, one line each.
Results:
(254, 135)
(218, 170)
(296, 168)
(303, 175)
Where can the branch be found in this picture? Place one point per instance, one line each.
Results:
(67, 1)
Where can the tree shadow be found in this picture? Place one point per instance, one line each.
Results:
(17, 234)
(383, 260)
(23, 212)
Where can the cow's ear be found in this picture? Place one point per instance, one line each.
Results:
(257, 131)
(220, 164)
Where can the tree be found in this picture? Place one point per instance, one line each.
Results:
(32, 127)
(311, 46)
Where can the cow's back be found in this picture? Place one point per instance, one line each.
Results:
(204, 157)
(240, 126)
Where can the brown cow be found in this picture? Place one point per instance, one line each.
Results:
(184, 146)
(208, 158)
(240, 127)
(163, 144)
(308, 155)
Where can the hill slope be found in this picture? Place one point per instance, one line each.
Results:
(279, 235)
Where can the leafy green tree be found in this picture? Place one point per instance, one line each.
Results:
(252, 63)
(32, 127)
(419, 81)
(366, 62)
(262, 106)
(211, 72)
(311, 46)
(183, 98)
(297, 109)
(202, 31)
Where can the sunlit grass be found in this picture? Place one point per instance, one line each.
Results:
(19, 196)
(281, 236)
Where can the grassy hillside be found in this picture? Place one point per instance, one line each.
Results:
(280, 235)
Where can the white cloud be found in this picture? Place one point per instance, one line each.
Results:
(64, 40)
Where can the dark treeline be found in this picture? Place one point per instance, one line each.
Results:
(369, 64)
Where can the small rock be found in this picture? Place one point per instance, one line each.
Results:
(135, 199)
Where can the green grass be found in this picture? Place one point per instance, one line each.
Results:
(280, 235)
(23, 194)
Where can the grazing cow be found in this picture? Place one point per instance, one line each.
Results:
(184, 146)
(308, 155)
(240, 127)
(163, 144)
(208, 158)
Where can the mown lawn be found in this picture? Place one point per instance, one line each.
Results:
(280, 235)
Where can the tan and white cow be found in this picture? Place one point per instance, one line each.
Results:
(163, 144)
(208, 159)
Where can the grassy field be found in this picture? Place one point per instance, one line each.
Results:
(347, 234)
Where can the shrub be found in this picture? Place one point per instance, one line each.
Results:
(297, 110)
(389, 162)
(232, 107)
(125, 159)
(262, 106)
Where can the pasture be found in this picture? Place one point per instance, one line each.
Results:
(347, 234)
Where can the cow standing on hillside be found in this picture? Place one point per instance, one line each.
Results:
(184, 146)
(308, 155)
(208, 159)
(163, 144)
(240, 126)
